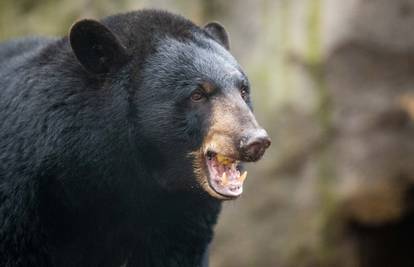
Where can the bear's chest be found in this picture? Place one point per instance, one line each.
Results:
(173, 235)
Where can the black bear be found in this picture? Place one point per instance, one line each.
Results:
(119, 142)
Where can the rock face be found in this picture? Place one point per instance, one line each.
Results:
(372, 95)
(369, 72)
(351, 173)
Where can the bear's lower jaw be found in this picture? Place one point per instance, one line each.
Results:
(224, 176)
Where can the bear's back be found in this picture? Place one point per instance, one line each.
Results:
(16, 54)
(11, 51)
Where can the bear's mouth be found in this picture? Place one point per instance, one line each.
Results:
(224, 175)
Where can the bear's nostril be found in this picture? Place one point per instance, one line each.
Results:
(266, 142)
(254, 149)
(256, 146)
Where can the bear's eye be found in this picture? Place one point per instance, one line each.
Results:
(197, 96)
(244, 92)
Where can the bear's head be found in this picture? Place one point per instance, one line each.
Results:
(188, 99)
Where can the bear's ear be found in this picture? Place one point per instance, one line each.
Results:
(217, 31)
(96, 47)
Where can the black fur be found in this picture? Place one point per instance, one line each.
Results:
(94, 165)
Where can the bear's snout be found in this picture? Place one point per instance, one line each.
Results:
(255, 145)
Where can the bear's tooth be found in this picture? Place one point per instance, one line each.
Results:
(224, 179)
(243, 177)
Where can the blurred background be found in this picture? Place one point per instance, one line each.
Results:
(333, 82)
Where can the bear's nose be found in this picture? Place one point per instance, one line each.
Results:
(255, 146)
